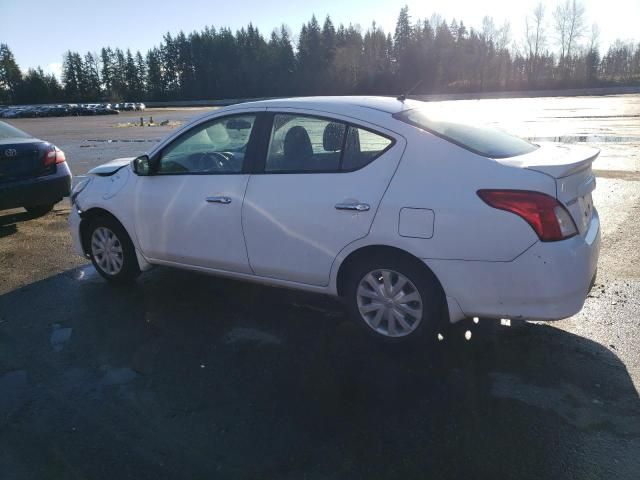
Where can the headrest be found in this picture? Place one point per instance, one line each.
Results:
(333, 136)
(297, 144)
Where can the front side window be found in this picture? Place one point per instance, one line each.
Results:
(219, 146)
(301, 143)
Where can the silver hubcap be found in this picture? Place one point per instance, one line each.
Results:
(389, 303)
(107, 250)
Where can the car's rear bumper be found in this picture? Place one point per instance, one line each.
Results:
(549, 281)
(42, 190)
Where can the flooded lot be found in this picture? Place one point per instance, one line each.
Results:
(187, 376)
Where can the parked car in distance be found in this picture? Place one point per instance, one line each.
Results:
(62, 110)
(33, 173)
(408, 217)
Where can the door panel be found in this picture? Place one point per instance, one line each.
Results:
(292, 227)
(189, 211)
(176, 223)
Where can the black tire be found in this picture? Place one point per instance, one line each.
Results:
(433, 302)
(130, 268)
(39, 210)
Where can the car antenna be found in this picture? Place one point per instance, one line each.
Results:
(403, 96)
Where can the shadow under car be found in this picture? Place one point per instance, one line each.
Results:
(184, 375)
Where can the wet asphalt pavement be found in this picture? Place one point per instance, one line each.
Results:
(187, 376)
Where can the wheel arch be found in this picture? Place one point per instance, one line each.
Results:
(95, 212)
(373, 250)
(89, 215)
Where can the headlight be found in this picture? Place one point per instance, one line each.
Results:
(79, 187)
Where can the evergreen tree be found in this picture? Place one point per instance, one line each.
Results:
(131, 80)
(91, 67)
(108, 71)
(402, 47)
(10, 75)
(155, 82)
(327, 55)
(436, 55)
(118, 78)
(309, 53)
(141, 78)
(34, 87)
(376, 61)
(70, 78)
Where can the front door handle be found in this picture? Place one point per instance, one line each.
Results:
(358, 207)
(224, 200)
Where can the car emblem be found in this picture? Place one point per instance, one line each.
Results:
(10, 152)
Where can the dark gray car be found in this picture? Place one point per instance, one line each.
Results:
(33, 173)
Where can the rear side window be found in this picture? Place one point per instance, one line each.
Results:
(307, 144)
(486, 141)
(304, 144)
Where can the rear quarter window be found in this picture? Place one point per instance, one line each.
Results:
(486, 141)
(362, 147)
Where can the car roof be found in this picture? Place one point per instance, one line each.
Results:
(344, 104)
(356, 107)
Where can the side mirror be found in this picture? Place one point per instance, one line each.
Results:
(142, 165)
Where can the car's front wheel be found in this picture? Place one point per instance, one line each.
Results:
(394, 298)
(111, 250)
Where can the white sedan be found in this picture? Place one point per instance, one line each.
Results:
(410, 218)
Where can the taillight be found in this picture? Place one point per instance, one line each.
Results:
(547, 216)
(54, 155)
(60, 156)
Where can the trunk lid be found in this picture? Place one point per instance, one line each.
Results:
(21, 159)
(571, 167)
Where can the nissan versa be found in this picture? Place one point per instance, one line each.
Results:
(408, 217)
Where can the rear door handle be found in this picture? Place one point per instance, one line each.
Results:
(358, 207)
(224, 200)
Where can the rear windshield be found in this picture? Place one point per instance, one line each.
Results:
(485, 141)
(7, 132)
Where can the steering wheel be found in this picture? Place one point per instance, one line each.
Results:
(211, 161)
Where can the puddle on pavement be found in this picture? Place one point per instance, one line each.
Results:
(324, 311)
(587, 139)
(59, 337)
(570, 402)
(12, 391)
(87, 274)
(241, 335)
(117, 376)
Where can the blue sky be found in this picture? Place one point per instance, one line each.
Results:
(40, 31)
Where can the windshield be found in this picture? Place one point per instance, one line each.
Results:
(485, 141)
(7, 132)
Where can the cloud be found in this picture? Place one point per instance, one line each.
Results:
(55, 68)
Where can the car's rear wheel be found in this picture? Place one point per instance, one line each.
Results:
(39, 210)
(394, 298)
(111, 250)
